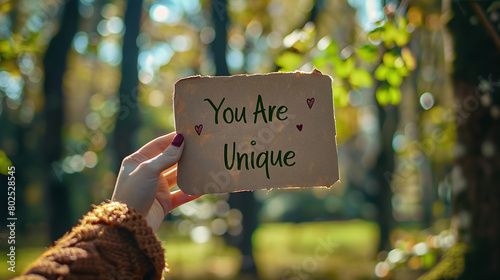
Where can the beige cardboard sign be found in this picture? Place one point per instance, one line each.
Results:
(251, 132)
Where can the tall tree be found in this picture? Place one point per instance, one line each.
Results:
(55, 66)
(476, 80)
(128, 119)
(220, 20)
(382, 172)
(243, 201)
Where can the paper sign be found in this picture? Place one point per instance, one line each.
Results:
(251, 132)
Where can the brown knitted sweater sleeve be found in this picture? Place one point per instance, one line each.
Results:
(111, 242)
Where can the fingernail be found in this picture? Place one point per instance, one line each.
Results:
(178, 139)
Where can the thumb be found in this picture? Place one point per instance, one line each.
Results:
(169, 156)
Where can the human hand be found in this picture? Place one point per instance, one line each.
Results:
(146, 177)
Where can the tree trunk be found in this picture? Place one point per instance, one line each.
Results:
(476, 80)
(383, 172)
(243, 201)
(54, 62)
(128, 119)
(220, 20)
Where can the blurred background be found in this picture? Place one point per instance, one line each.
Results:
(83, 83)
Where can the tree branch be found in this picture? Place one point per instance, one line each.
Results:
(484, 20)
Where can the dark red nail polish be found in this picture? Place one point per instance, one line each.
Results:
(178, 139)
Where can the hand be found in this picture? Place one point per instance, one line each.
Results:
(146, 177)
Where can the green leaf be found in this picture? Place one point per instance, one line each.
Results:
(332, 48)
(319, 61)
(381, 72)
(289, 61)
(389, 58)
(429, 260)
(402, 23)
(403, 71)
(4, 163)
(375, 34)
(386, 94)
(394, 78)
(368, 53)
(302, 46)
(382, 95)
(394, 95)
(360, 78)
(7, 49)
(402, 37)
(340, 96)
(343, 68)
(389, 34)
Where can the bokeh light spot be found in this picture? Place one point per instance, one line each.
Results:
(207, 35)
(81, 42)
(115, 25)
(90, 159)
(77, 163)
(102, 28)
(427, 100)
(93, 121)
(200, 234)
(218, 226)
(488, 149)
(145, 76)
(168, 12)
(395, 256)
(156, 98)
(420, 249)
(355, 98)
(159, 13)
(181, 43)
(235, 60)
(191, 6)
(110, 52)
(382, 269)
(399, 143)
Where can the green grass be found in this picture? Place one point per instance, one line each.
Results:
(317, 250)
(210, 260)
(333, 250)
(24, 256)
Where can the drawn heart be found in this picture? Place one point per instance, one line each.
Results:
(198, 128)
(310, 102)
(299, 127)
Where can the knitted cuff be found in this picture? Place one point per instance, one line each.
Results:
(118, 214)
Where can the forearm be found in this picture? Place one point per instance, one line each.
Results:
(110, 242)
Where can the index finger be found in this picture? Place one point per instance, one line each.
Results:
(155, 146)
(179, 197)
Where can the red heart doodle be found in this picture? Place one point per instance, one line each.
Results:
(299, 127)
(198, 128)
(310, 102)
